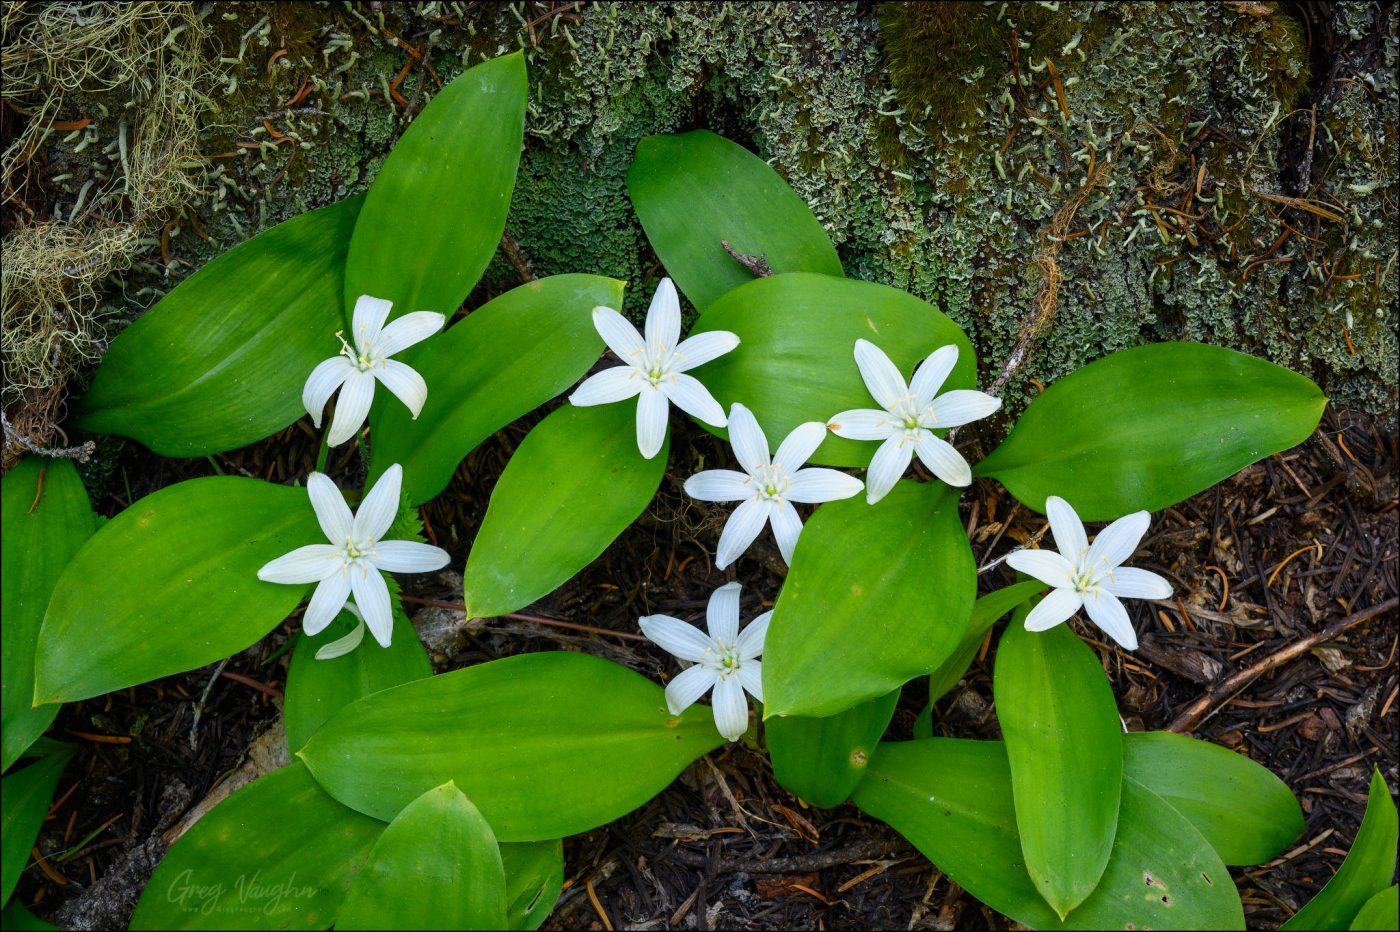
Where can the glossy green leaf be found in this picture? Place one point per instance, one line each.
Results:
(695, 190)
(877, 595)
(46, 518)
(546, 745)
(1381, 912)
(25, 796)
(985, 612)
(1145, 428)
(952, 799)
(171, 584)
(437, 208)
(1246, 813)
(506, 359)
(17, 917)
(220, 361)
(534, 880)
(822, 759)
(317, 689)
(1061, 728)
(796, 358)
(1368, 869)
(437, 866)
(575, 483)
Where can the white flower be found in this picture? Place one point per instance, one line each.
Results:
(654, 369)
(344, 645)
(353, 559)
(911, 412)
(767, 487)
(357, 367)
(724, 659)
(1090, 576)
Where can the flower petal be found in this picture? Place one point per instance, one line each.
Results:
(616, 384)
(719, 485)
(332, 513)
(617, 331)
(864, 424)
(368, 320)
(664, 318)
(379, 507)
(881, 377)
(722, 613)
(372, 596)
(408, 330)
(798, 446)
(1129, 583)
(687, 686)
(943, 461)
(731, 708)
(1055, 608)
(351, 407)
(1116, 543)
(1108, 613)
(404, 382)
(1068, 530)
(818, 484)
(703, 347)
(676, 637)
(1045, 565)
(693, 398)
(751, 678)
(962, 406)
(931, 375)
(326, 602)
(311, 563)
(344, 645)
(787, 525)
(752, 637)
(652, 410)
(747, 438)
(886, 466)
(409, 556)
(322, 383)
(740, 530)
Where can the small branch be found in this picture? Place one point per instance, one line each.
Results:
(534, 619)
(757, 265)
(82, 453)
(517, 257)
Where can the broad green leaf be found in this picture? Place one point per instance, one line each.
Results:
(171, 584)
(1145, 428)
(796, 359)
(24, 801)
(18, 918)
(546, 745)
(1381, 912)
(877, 595)
(504, 360)
(1246, 813)
(1368, 868)
(575, 483)
(822, 759)
(317, 689)
(952, 799)
(696, 190)
(220, 361)
(534, 880)
(436, 211)
(437, 866)
(985, 613)
(1061, 728)
(46, 517)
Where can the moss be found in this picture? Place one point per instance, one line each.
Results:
(1276, 48)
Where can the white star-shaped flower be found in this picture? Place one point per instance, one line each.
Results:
(768, 487)
(910, 415)
(654, 369)
(1091, 577)
(356, 368)
(355, 556)
(724, 660)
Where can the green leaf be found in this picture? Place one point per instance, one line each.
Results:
(694, 190)
(437, 866)
(46, 517)
(534, 879)
(436, 211)
(1061, 728)
(24, 801)
(506, 359)
(575, 483)
(1381, 912)
(1145, 428)
(171, 584)
(546, 745)
(220, 361)
(18, 918)
(952, 799)
(985, 613)
(1246, 813)
(317, 689)
(822, 759)
(877, 595)
(1368, 868)
(796, 358)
